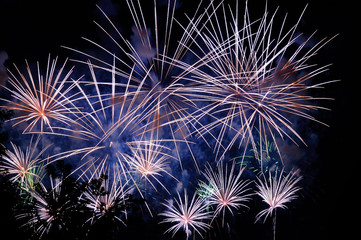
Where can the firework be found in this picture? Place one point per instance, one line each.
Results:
(43, 101)
(109, 197)
(150, 67)
(47, 207)
(277, 191)
(24, 168)
(270, 158)
(149, 159)
(146, 100)
(108, 122)
(251, 80)
(226, 189)
(186, 215)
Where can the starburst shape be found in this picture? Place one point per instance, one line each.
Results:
(254, 76)
(149, 160)
(41, 101)
(277, 191)
(226, 189)
(186, 215)
(24, 168)
(108, 196)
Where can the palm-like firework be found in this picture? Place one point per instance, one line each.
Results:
(226, 189)
(277, 191)
(186, 215)
(109, 197)
(47, 208)
(24, 168)
(42, 103)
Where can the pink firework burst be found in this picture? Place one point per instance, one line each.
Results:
(187, 215)
(276, 192)
(226, 189)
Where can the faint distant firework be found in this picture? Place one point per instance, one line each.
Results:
(107, 195)
(270, 159)
(48, 208)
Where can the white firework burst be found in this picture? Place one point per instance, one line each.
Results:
(44, 102)
(149, 63)
(253, 78)
(111, 196)
(26, 168)
(226, 190)
(277, 191)
(149, 159)
(187, 215)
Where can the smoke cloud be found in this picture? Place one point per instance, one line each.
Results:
(3, 75)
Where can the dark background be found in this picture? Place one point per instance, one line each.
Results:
(33, 29)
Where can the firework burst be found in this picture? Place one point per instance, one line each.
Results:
(277, 191)
(24, 168)
(186, 215)
(149, 65)
(159, 96)
(226, 189)
(252, 81)
(110, 119)
(42, 103)
(150, 160)
(110, 195)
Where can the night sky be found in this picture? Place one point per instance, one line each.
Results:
(33, 29)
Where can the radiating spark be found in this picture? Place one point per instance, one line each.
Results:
(44, 102)
(149, 159)
(23, 168)
(277, 191)
(251, 78)
(114, 194)
(187, 215)
(226, 189)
